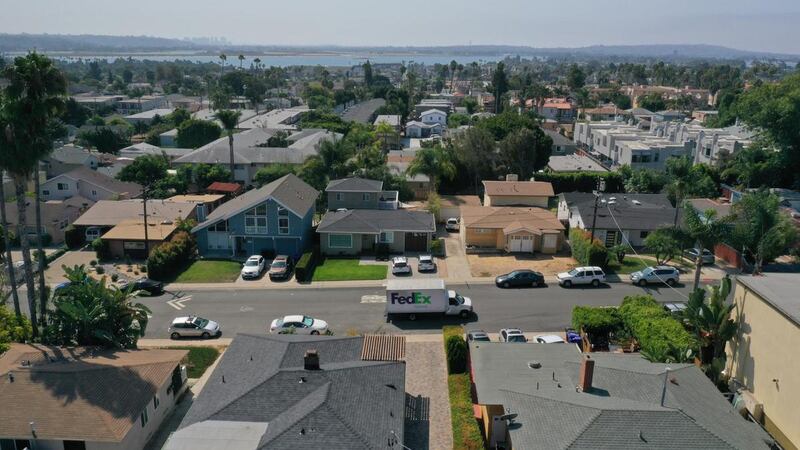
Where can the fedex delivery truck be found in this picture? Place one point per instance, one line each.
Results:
(411, 299)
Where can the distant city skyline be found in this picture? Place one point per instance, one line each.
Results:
(742, 24)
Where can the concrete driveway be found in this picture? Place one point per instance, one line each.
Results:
(55, 274)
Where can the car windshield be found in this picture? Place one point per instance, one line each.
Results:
(278, 264)
(399, 264)
(516, 338)
(459, 299)
(481, 337)
(200, 323)
(647, 270)
(308, 321)
(573, 272)
(251, 263)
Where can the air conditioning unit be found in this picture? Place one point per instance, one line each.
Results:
(745, 400)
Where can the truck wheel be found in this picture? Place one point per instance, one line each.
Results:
(568, 284)
(412, 317)
(205, 336)
(595, 283)
(642, 283)
(174, 336)
(464, 314)
(671, 282)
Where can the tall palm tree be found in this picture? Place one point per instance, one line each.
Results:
(706, 229)
(229, 120)
(34, 96)
(241, 61)
(12, 279)
(257, 62)
(435, 162)
(222, 58)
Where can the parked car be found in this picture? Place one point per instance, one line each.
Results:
(400, 266)
(152, 287)
(298, 324)
(582, 275)
(281, 268)
(657, 274)
(708, 257)
(548, 339)
(253, 267)
(676, 308)
(451, 224)
(512, 335)
(426, 264)
(477, 336)
(193, 327)
(520, 278)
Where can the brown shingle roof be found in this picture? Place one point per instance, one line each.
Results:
(533, 188)
(78, 393)
(112, 212)
(510, 218)
(133, 230)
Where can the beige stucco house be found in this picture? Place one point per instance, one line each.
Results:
(517, 230)
(517, 193)
(762, 358)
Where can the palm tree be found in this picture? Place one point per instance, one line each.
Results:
(335, 153)
(257, 62)
(34, 96)
(90, 313)
(434, 162)
(241, 61)
(12, 279)
(706, 230)
(229, 120)
(711, 320)
(222, 58)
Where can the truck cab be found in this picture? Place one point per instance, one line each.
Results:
(458, 305)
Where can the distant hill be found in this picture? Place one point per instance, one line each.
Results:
(128, 44)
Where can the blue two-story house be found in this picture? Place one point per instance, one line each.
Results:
(274, 219)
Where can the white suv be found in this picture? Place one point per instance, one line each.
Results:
(582, 275)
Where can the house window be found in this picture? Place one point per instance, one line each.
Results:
(219, 226)
(143, 418)
(338, 196)
(643, 234)
(45, 192)
(94, 193)
(255, 220)
(365, 196)
(73, 445)
(283, 221)
(340, 241)
(155, 402)
(63, 186)
(386, 237)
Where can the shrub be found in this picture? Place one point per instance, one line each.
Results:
(456, 351)
(93, 262)
(169, 257)
(586, 251)
(657, 332)
(74, 237)
(114, 277)
(100, 270)
(47, 240)
(466, 432)
(437, 247)
(305, 266)
(596, 320)
(100, 248)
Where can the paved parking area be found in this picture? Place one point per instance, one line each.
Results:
(428, 423)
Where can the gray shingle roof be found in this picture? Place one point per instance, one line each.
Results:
(69, 154)
(289, 190)
(102, 180)
(678, 410)
(777, 289)
(354, 185)
(375, 221)
(652, 212)
(348, 404)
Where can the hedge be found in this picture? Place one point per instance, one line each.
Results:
(657, 332)
(74, 237)
(582, 181)
(170, 257)
(596, 320)
(455, 349)
(304, 268)
(586, 251)
(466, 432)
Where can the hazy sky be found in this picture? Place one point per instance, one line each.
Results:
(767, 25)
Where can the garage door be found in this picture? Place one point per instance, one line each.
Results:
(550, 241)
(520, 244)
(416, 242)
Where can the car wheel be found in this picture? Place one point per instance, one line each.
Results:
(671, 282)
(567, 284)
(506, 285)
(174, 336)
(464, 314)
(542, 284)
(314, 332)
(595, 283)
(642, 283)
(205, 335)
(412, 317)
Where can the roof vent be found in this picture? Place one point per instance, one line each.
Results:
(534, 364)
(311, 360)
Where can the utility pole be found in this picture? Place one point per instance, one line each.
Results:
(601, 186)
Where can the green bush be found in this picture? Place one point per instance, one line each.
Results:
(100, 248)
(586, 251)
(437, 247)
(305, 266)
(596, 320)
(47, 240)
(467, 434)
(657, 332)
(170, 257)
(456, 351)
(114, 277)
(74, 237)
(100, 270)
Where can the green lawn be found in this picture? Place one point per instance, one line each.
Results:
(210, 271)
(348, 269)
(631, 264)
(199, 359)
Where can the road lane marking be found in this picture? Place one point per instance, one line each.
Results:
(373, 299)
(245, 309)
(178, 303)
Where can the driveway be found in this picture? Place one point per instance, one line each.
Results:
(427, 403)
(457, 263)
(55, 274)
(492, 265)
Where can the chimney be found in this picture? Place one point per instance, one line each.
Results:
(512, 177)
(311, 360)
(586, 373)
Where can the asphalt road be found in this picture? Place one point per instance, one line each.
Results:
(345, 309)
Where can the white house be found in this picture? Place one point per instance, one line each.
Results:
(87, 183)
(433, 116)
(416, 129)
